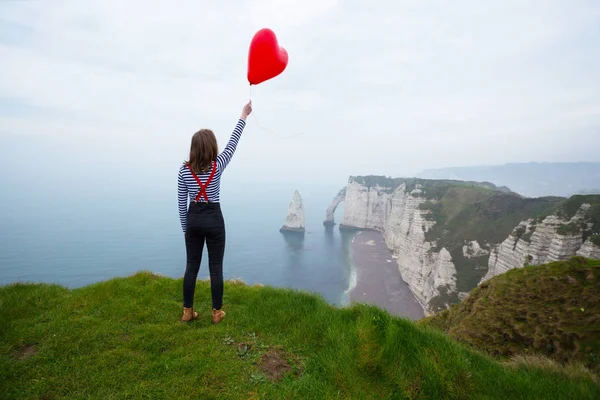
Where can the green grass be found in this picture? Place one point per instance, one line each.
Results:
(122, 339)
(527, 236)
(569, 207)
(551, 310)
(484, 216)
(385, 183)
(570, 229)
(431, 188)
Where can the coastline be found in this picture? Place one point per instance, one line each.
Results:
(377, 278)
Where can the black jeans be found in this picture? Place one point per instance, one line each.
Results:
(204, 223)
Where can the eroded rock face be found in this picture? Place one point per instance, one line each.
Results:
(396, 213)
(294, 221)
(473, 250)
(366, 207)
(589, 250)
(329, 213)
(539, 243)
(441, 277)
(425, 270)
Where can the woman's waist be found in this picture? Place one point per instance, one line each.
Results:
(203, 204)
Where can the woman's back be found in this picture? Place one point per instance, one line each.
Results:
(187, 185)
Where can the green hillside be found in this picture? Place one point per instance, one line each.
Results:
(431, 187)
(463, 214)
(122, 339)
(552, 309)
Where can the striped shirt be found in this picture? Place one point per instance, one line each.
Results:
(187, 187)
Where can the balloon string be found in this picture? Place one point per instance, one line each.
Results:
(268, 130)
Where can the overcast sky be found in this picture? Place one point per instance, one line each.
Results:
(385, 87)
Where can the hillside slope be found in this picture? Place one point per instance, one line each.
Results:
(552, 309)
(572, 228)
(122, 339)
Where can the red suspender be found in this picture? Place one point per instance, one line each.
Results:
(202, 191)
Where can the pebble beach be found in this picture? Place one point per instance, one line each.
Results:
(378, 280)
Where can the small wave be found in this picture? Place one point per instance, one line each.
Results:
(353, 277)
(352, 281)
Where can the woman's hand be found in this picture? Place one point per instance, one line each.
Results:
(247, 110)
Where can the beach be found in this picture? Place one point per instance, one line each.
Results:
(378, 280)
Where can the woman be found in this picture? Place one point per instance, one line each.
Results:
(200, 181)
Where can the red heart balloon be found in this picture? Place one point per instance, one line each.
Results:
(266, 59)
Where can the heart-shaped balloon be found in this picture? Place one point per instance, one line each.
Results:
(266, 59)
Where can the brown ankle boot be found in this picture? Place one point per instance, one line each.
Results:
(217, 316)
(189, 314)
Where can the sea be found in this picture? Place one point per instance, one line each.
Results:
(74, 230)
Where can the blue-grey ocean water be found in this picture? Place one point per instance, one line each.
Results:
(74, 232)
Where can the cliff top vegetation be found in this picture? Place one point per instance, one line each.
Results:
(121, 339)
(463, 214)
(551, 310)
(431, 189)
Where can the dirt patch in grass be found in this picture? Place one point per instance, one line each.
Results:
(27, 351)
(274, 365)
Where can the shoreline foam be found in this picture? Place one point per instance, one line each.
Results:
(353, 280)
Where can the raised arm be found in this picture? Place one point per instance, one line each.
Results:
(182, 198)
(224, 158)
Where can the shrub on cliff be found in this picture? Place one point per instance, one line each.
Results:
(122, 339)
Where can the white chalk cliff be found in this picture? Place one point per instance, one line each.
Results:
(294, 222)
(473, 249)
(589, 250)
(426, 271)
(366, 207)
(397, 214)
(534, 243)
(429, 268)
(329, 213)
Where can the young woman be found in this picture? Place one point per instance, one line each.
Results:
(199, 181)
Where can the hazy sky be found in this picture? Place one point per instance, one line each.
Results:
(386, 87)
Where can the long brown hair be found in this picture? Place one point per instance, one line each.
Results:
(203, 151)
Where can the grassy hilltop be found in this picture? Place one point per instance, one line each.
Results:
(552, 309)
(122, 339)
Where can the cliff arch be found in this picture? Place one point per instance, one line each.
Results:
(330, 212)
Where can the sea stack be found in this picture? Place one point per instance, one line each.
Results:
(295, 218)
